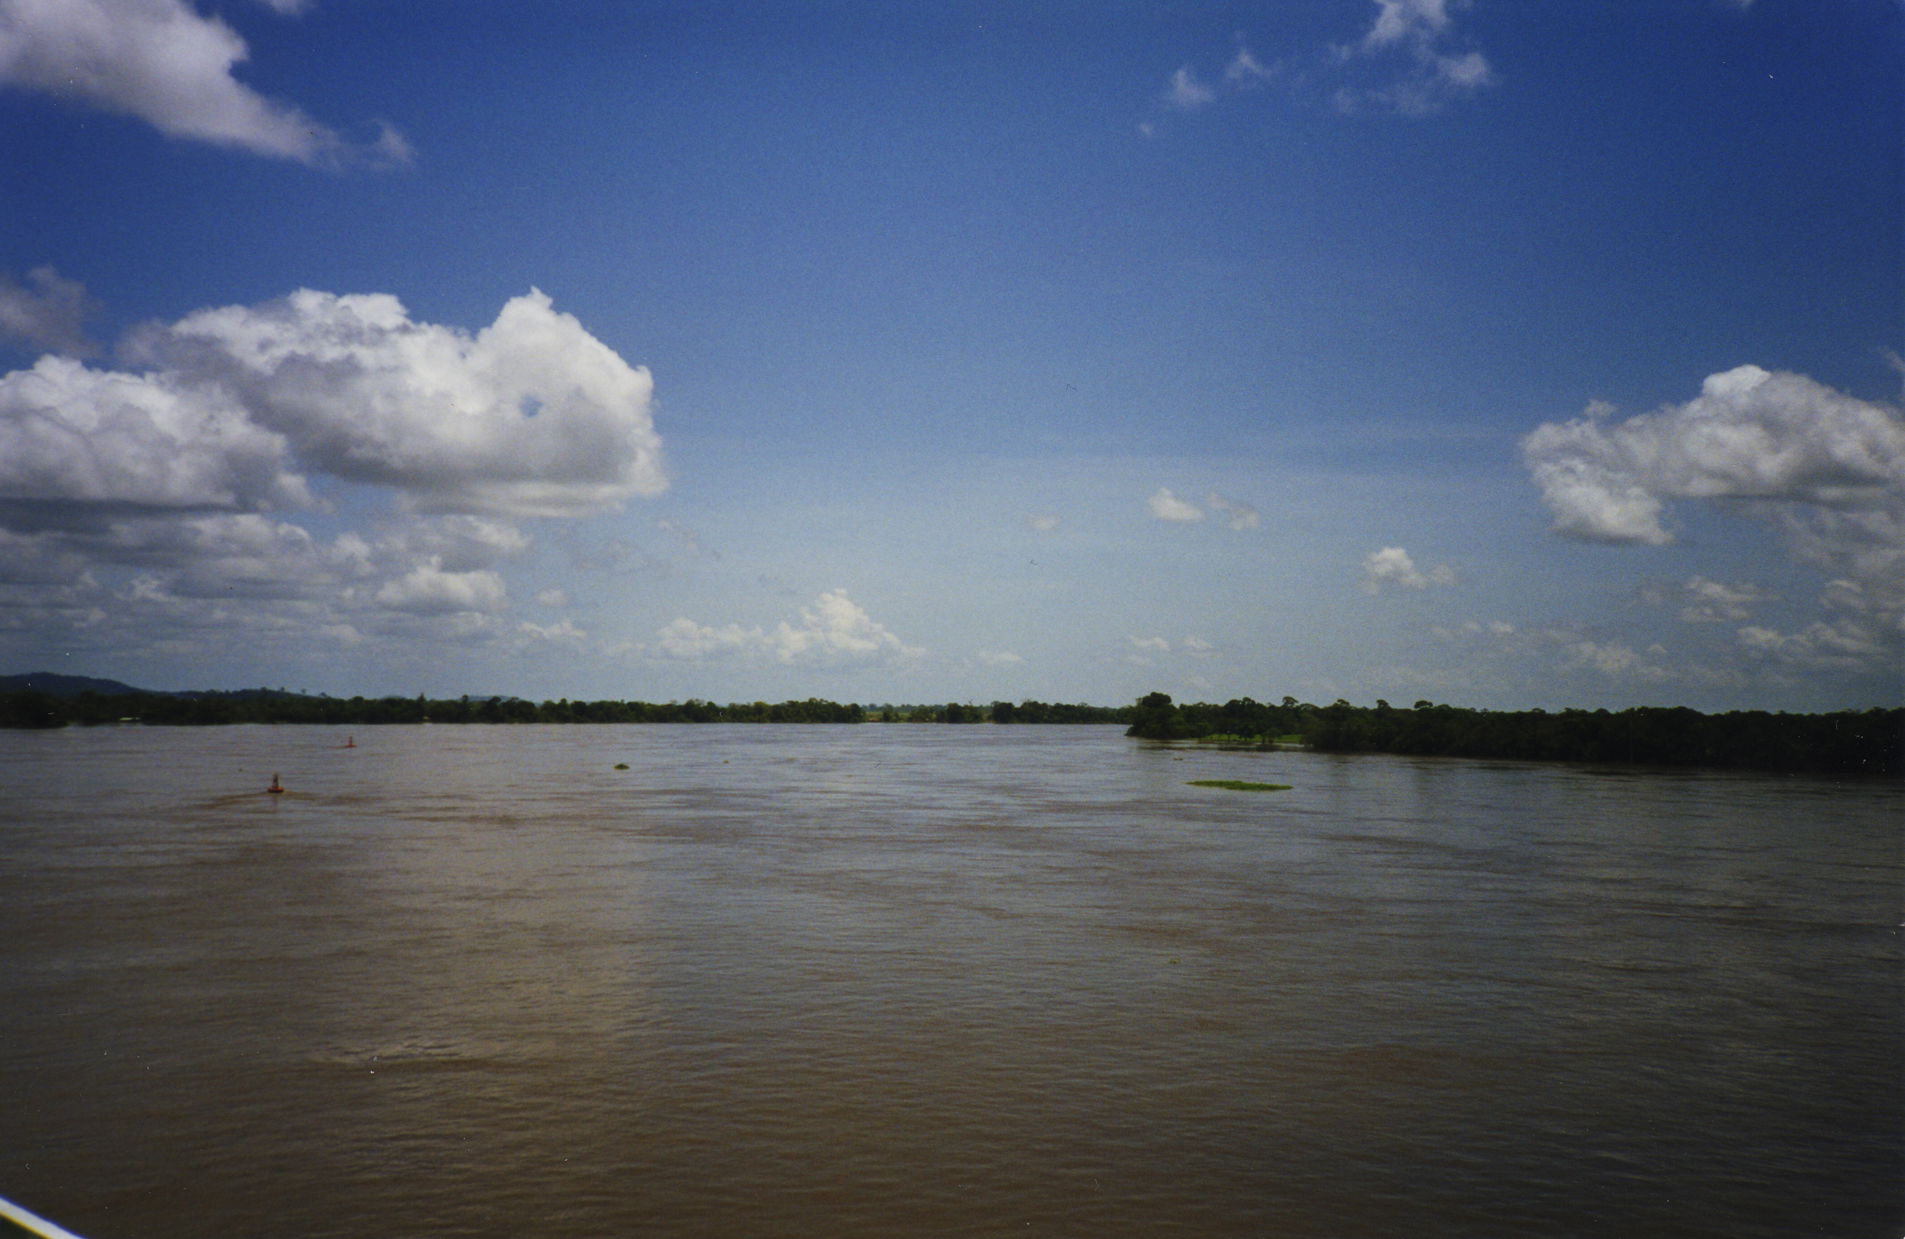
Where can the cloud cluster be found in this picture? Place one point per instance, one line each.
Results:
(170, 66)
(1532, 657)
(165, 498)
(1394, 566)
(186, 584)
(1187, 92)
(1410, 62)
(1704, 601)
(834, 632)
(1862, 605)
(1826, 468)
(532, 416)
(1438, 68)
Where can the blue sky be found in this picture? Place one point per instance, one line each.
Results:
(1493, 353)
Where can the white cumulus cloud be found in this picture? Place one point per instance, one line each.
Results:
(167, 64)
(531, 416)
(1750, 434)
(429, 589)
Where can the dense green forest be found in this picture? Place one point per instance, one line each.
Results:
(1847, 742)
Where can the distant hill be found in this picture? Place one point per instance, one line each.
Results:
(55, 685)
(68, 686)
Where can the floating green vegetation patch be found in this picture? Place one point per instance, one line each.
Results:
(1239, 785)
(621, 765)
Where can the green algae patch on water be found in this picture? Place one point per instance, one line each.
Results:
(1239, 785)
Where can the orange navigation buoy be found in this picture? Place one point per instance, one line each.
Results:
(276, 787)
(350, 742)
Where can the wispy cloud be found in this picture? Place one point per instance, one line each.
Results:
(834, 632)
(1186, 92)
(1394, 566)
(1704, 601)
(1241, 515)
(1614, 659)
(1166, 506)
(48, 312)
(1246, 70)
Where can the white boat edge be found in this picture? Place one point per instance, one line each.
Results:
(37, 1225)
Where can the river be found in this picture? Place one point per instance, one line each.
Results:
(934, 981)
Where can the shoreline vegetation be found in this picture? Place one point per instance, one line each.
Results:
(61, 706)
(1864, 742)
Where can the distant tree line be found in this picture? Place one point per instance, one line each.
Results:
(35, 708)
(1846, 742)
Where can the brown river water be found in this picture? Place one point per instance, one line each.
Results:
(934, 981)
